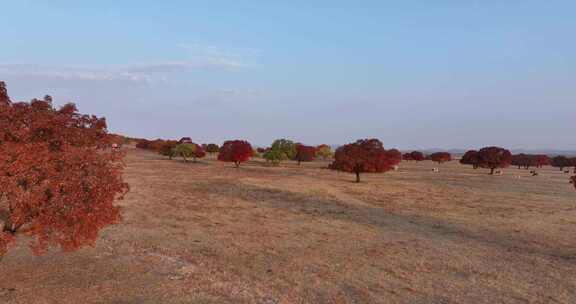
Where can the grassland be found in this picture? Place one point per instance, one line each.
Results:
(209, 233)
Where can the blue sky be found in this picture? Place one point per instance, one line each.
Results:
(416, 74)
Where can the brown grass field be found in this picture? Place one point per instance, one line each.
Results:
(209, 233)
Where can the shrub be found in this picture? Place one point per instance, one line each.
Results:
(58, 176)
(187, 151)
(365, 155)
(236, 151)
(274, 156)
(168, 148)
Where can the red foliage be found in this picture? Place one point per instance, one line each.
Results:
(470, 158)
(494, 157)
(541, 160)
(143, 144)
(4, 99)
(58, 176)
(528, 160)
(305, 153)
(394, 154)
(441, 157)
(236, 151)
(417, 156)
(365, 155)
(199, 152)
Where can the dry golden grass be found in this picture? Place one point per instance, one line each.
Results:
(210, 233)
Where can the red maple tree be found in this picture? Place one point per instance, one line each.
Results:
(236, 151)
(494, 157)
(365, 155)
(305, 153)
(59, 175)
(441, 157)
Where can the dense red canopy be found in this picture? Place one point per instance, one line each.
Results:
(494, 157)
(365, 155)
(58, 175)
(305, 153)
(236, 151)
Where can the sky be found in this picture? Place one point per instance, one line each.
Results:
(415, 74)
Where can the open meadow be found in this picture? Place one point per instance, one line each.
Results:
(207, 232)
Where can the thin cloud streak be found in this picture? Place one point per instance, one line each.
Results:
(143, 73)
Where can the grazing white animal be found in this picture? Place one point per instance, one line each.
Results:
(435, 170)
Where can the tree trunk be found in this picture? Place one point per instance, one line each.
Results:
(237, 164)
(491, 171)
(357, 176)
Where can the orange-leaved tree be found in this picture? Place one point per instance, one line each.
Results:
(59, 175)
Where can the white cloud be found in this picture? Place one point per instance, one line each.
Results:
(236, 56)
(143, 73)
(197, 56)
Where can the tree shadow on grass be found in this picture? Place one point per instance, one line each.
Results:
(331, 208)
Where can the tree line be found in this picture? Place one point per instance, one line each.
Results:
(61, 170)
